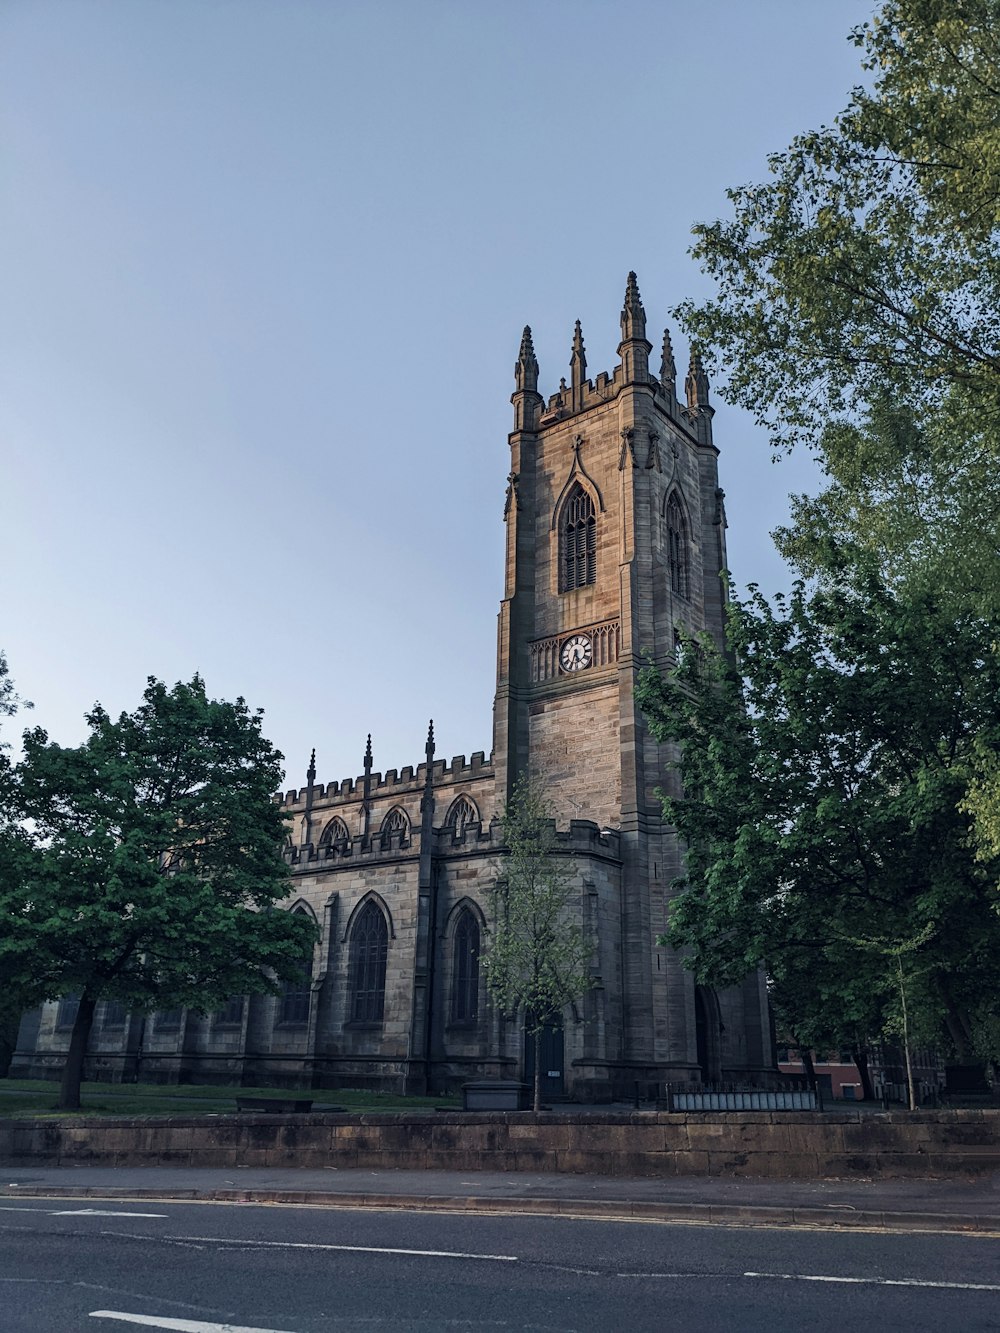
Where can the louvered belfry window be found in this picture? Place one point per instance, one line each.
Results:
(677, 546)
(578, 566)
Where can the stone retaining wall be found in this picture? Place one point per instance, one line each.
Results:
(747, 1143)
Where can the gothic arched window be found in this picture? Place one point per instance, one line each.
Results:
(465, 972)
(231, 1012)
(369, 948)
(335, 835)
(678, 553)
(577, 541)
(394, 822)
(66, 1013)
(293, 1003)
(464, 811)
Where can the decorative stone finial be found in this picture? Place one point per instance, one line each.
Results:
(526, 366)
(578, 368)
(430, 741)
(311, 770)
(633, 318)
(633, 349)
(696, 385)
(578, 348)
(368, 752)
(668, 366)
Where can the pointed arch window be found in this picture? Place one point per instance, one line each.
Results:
(465, 970)
(115, 1014)
(66, 1013)
(463, 811)
(296, 992)
(395, 822)
(336, 836)
(577, 541)
(369, 950)
(678, 546)
(231, 1013)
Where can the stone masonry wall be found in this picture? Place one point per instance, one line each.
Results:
(651, 1144)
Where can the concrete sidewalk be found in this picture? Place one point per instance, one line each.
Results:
(894, 1205)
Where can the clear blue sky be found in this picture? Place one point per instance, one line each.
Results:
(264, 273)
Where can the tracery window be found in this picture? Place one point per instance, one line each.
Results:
(678, 547)
(369, 949)
(293, 1003)
(394, 822)
(577, 541)
(335, 835)
(463, 811)
(465, 971)
(231, 1012)
(67, 1011)
(114, 1014)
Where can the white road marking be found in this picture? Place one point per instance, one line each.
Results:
(100, 1212)
(76, 1212)
(878, 1281)
(350, 1249)
(179, 1325)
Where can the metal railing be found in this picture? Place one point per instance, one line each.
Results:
(741, 1097)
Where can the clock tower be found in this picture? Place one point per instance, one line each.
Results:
(615, 538)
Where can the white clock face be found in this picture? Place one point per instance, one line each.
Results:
(576, 652)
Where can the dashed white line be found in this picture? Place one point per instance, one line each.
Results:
(877, 1281)
(100, 1212)
(349, 1249)
(75, 1212)
(178, 1325)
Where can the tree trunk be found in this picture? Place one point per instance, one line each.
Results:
(9, 1025)
(860, 1054)
(910, 1087)
(806, 1056)
(958, 1027)
(69, 1089)
(537, 1039)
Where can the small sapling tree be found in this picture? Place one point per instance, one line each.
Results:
(538, 958)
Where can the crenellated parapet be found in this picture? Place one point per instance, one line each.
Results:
(393, 781)
(582, 838)
(582, 394)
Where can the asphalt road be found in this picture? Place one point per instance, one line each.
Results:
(66, 1267)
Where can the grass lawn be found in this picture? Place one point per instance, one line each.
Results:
(35, 1097)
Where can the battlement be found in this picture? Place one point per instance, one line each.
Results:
(533, 412)
(602, 390)
(396, 781)
(583, 837)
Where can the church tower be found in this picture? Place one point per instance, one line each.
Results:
(615, 537)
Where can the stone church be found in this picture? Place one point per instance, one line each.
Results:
(615, 535)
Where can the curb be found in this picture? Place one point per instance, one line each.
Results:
(612, 1210)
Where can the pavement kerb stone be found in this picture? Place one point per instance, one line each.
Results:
(609, 1209)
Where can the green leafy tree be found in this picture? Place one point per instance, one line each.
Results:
(538, 960)
(857, 313)
(822, 1002)
(823, 784)
(869, 263)
(14, 849)
(158, 858)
